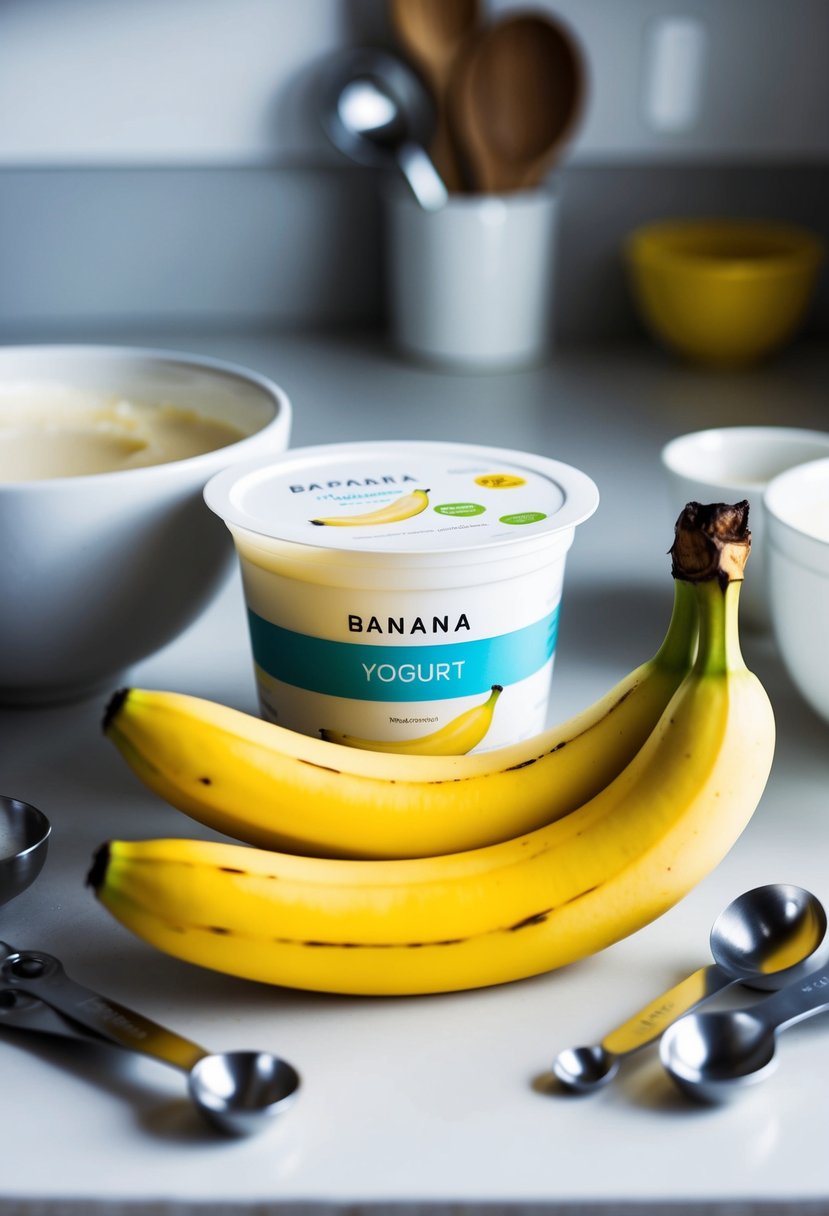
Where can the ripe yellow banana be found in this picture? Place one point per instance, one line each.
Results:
(456, 738)
(392, 513)
(272, 787)
(490, 915)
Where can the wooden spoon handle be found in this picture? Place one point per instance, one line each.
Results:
(432, 32)
(444, 152)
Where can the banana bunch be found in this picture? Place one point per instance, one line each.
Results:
(526, 905)
(268, 786)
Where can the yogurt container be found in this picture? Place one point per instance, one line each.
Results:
(391, 587)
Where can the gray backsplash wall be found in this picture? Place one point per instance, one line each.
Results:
(120, 248)
(161, 160)
(604, 202)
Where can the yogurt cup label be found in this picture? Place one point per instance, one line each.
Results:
(376, 671)
(392, 588)
(400, 499)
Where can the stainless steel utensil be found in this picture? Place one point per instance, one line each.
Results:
(713, 1057)
(432, 32)
(375, 109)
(24, 841)
(764, 939)
(237, 1092)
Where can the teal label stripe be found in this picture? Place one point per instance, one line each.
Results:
(368, 672)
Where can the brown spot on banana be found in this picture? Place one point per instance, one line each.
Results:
(326, 768)
(538, 918)
(523, 764)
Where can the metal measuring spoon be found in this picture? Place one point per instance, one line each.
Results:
(375, 109)
(763, 939)
(713, 1057)
(237, 1092)
(24, 841)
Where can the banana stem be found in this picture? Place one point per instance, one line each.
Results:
(719, 635)
(709, 553)
(679, 647)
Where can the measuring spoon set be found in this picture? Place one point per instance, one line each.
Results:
(237, 1092)
(772, 939)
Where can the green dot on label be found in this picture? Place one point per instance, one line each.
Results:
(460, 508)
(523, 517)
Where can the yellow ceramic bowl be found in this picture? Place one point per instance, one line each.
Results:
(724, 292)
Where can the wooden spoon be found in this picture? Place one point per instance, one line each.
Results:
(517, 92)
(432, 32)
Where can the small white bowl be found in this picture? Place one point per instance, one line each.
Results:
(99, 571)
(728, 464)
(797, 513)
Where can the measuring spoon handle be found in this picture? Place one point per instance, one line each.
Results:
(42, 975)
(798, 1000)
(20, 1011)
(647, 1025)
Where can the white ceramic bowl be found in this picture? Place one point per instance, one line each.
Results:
(728, 464)
(100, 571)
(797, 513)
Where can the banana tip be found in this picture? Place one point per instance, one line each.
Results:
(113, 706)
(97, 871)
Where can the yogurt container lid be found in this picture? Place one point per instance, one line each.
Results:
(402, 497)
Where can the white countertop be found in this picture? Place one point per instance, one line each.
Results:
(442, 1098)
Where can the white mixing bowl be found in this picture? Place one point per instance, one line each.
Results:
(101, 570)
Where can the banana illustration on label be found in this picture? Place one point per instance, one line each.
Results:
(511, 910)
(456, 738)
(393, 513)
